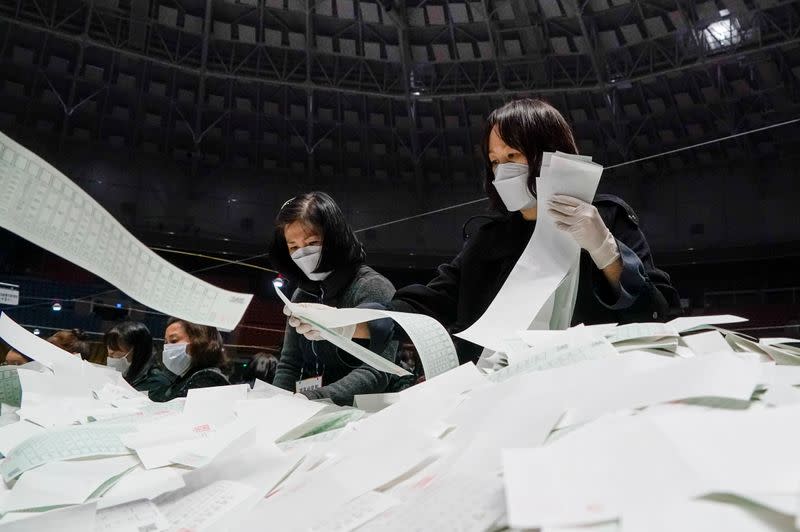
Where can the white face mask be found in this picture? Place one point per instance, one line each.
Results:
(511, 183)
(176, 359)
(307, 259)
(121, 364)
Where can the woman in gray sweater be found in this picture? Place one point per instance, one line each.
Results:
(317, 252)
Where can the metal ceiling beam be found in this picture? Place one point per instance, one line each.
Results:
(494, 44)
(589, 40)
(90, 42)
(75, 71)
(197, 136)
(397, 14)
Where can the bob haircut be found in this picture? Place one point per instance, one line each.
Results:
(133, 336)
(205, 344)
(317, 211)
(531, 126)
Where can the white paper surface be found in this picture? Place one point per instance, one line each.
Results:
(704, 516)
(547, 258)
(276, 415)
(781, 395)
(333, 486)
(709, 376)
(707, 342)
(214, 404)
(226, 439)
(136, 516)
(258, 466)
(536, 359)
(446, 505)
(778, 340)
(63, 444)
(454, 382)
(375, 402)
(594, 473)
(544, 338)
(16, 433)
(488, 421)
(781, 375)
(141, 483)
(355, 513)
(63, 483)
(286, 510)
(644, 335)
(262, 390)
(205, 508)
(609, 436)
(687, 323)
(182, 440)
(42, 205)
(714, 442)
(73, 519)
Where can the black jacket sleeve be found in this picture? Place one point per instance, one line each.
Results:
(290, 365)
(647, 293)
(438, 299)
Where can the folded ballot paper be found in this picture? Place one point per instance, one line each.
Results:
(635, 336)
(42, 205)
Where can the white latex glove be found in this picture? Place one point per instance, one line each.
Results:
(583, 222)
(310, 331)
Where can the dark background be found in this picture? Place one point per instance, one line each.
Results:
(193, 121)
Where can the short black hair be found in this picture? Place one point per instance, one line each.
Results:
(340, 246)
(135, 336)
(531, 126)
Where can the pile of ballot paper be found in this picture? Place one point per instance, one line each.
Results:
(641, 427)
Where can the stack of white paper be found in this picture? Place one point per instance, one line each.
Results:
(592, 429)
(64, 483)
(634, 336)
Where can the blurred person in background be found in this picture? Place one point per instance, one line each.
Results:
(194, 354)
(74, 341)
(15, 358)
(262, 367)
(129, 346)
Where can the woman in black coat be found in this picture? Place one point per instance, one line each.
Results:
(617, 281)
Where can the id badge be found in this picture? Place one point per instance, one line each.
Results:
(312, 383)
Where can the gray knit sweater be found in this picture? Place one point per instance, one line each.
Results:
(343, 375)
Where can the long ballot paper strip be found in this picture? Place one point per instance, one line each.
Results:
(42, 205)
(545, 262)
(64, 444)
(433, 343)
(10, 388)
